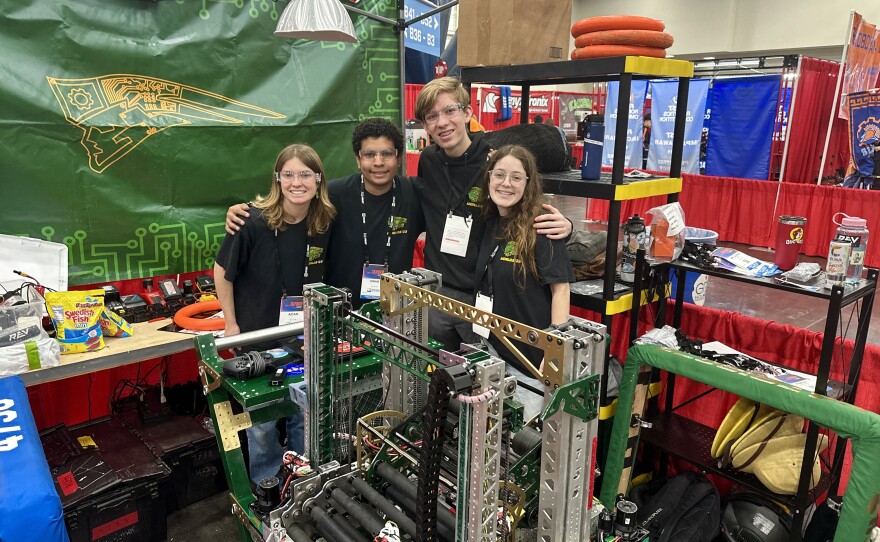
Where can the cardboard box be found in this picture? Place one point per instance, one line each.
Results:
(507, 32)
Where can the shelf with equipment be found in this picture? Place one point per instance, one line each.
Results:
(570, 184)
(614, 187)
(622, 301)
(687, 439)
(670, 431)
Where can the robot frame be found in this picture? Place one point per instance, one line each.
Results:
(412, 443)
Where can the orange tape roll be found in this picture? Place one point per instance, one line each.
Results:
(184, 317)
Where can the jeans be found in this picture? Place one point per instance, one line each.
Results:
(448, 329)
(264, 445)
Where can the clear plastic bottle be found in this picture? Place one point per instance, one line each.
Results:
(853, 230)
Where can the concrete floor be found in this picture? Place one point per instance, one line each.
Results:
(211, 520)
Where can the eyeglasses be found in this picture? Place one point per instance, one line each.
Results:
(386, 154)
(448, 112)
(498, 175)
(304, 176)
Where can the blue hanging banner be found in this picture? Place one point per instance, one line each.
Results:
(741, 126)
(634, 130)
(663, 107)
(864, 129)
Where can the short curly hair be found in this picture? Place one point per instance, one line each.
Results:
(376, 127)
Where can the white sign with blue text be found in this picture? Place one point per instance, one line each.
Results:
(424, 35)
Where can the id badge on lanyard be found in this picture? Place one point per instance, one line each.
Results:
(291, 310)
(370, 280)
(484, 303)
(456, 234)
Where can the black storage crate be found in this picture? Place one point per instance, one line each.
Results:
(191, 453)
(132, 512)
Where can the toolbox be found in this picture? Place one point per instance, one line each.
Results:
(189, 450)
(126, 497)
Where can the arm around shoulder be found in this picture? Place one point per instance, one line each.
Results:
(235, 216)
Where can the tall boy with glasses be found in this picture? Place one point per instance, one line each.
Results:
(448, 186)
(378, 214)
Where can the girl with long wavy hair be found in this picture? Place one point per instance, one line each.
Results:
(260, 272)
(523, 276)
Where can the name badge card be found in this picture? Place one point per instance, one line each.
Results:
(484, 303)
(370, 280)
(291, 310)
(456, 234)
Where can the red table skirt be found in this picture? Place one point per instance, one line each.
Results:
(742, 210)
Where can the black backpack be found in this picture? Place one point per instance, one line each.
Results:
(686, 508)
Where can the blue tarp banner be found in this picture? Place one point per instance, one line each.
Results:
(663, 107)
(634, 130)
(864, 129)
(741, 126)
(29, 506)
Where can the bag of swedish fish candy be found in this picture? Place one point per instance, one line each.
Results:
(114, 325)
(75, 315)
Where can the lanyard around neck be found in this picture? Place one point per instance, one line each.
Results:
(487, 272)
(281, 269)
(390, 222)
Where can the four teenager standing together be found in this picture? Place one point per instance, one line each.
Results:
(472, 208)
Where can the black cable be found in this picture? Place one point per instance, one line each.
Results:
(445, 382)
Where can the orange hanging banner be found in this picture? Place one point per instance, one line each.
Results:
(862, 60)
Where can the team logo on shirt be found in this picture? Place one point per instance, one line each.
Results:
(399, 225)
(316, 255)
(475, 194)
(510, 253)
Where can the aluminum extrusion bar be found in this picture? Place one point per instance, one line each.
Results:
(479, 450)
(568, 445)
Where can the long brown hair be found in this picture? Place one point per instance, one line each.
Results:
(321, 211)
(518, 224)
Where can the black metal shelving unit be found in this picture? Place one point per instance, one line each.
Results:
(614, 187)
(691, 441)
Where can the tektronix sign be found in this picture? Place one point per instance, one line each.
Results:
(537, 104)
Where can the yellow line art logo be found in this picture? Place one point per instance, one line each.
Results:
(118, 112)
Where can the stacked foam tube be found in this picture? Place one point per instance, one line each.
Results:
(619, 35)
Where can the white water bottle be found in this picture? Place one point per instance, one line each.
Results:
(853, 230)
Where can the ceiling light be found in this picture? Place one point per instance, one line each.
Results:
(708, 58)
(320, 20)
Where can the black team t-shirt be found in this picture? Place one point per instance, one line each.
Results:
(249, 259)
(345, 256)
(446, 183)
(529, 305)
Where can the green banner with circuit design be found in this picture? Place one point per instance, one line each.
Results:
(129, 126)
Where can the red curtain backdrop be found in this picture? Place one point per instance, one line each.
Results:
(741, 210)
(809, 124)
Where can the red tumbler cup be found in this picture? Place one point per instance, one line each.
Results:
(789, 238)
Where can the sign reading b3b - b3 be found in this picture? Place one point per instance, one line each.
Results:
(424, 35)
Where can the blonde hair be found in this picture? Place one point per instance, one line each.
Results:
(321, 211)
(518, 225)
(431, 92)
